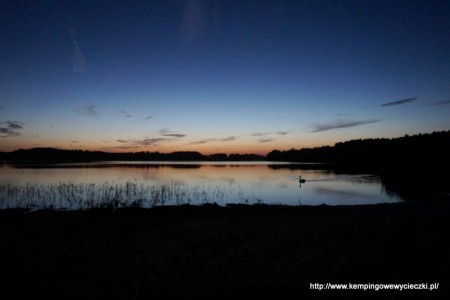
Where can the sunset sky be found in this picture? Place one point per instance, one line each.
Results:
(220, 75)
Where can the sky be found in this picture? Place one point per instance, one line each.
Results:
(220, 76)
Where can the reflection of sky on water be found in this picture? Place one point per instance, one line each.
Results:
(240, 182)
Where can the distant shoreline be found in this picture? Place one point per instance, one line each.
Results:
(377, 154)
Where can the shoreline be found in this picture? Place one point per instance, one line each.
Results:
(214, 251)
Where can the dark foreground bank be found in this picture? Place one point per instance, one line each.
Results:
(216, 252)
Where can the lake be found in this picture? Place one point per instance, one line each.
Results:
(146, 184)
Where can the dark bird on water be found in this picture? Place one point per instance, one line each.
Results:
(301, 180)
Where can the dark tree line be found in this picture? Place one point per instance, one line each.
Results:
(43, 155)
(410, 163)
(417, 152)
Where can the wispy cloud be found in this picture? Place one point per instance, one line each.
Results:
(438, 103)
(135, 143)
(166, 132)
(123, 147)
(260, 133)
(342, 124)
(147, 118)
(11, 129)
(78, 61)
(14, 124)
(149, 142)
(89, 110)
(229, 139)
(200, 17)
(124, 112)
(265, 140)
(204, 141)
(399, 102)
(282, 132)
(176, 135)
(193, 20)
(6, 132)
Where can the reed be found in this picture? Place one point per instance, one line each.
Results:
(80, 196)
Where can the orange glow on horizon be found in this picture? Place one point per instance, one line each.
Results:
(205, 149)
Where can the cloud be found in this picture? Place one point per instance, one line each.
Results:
(124, 112)
(399, 102)
(89, 110)
(259, 134)
(149, 142)
(166, 132)
(79, 64)
(205, 141)
(11, 129)
(147, 118)
(6, 132)
(74, 141)
(265, 140)
(282, 132)
(135, 143)
(199, 142)
(14, 124)
(229, 139)
(200, 17)
(123, 147)
(78, 61)
(193, 21)
(177, 135)
(342, 124)
(439, 103)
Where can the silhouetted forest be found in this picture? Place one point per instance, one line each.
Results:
(415, 164)
(417, 151)
(52, 155)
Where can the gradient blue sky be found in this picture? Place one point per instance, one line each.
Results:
(220, 75)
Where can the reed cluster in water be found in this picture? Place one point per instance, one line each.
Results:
(74, 196)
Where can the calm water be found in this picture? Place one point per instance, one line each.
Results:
(177, 183)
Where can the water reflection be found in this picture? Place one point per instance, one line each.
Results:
(221, 182)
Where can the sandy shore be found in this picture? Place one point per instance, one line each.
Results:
(215, 252)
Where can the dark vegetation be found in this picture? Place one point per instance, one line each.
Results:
(213, 252)
(380, 154)
(417, 163)
(52, 155)
(417, 151)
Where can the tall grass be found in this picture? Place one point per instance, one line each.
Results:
(76, 196)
